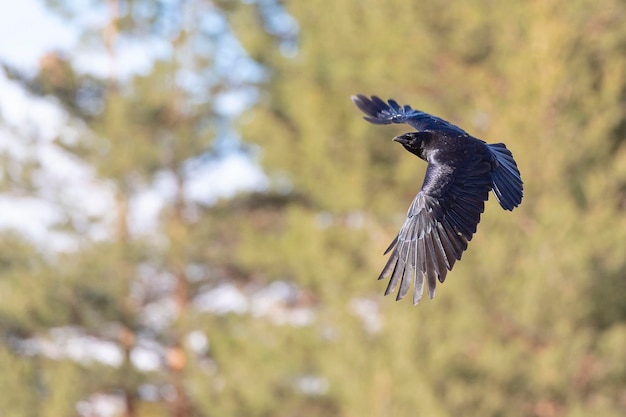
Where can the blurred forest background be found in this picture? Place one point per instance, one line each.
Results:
(265, 303)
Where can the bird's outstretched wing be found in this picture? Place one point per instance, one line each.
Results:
(440, 222)
(381, 113)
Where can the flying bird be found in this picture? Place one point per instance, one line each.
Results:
(445, 213)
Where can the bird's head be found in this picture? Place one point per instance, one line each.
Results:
(413, 142)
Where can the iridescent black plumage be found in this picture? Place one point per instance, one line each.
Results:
(445, 213)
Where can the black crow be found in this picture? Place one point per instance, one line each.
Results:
(443, 216)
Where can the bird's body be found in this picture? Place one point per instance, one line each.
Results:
(444, 215)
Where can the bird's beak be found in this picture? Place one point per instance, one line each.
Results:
(400, 139)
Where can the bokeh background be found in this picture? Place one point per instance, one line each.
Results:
(194, 213)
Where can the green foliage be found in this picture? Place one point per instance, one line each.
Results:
(532, 321)
(516, 325)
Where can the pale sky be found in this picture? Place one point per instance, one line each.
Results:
(28, 30)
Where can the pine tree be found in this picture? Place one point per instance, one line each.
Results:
(529, 323)
(515, 329)
(130, 291)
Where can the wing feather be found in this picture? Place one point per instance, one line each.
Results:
(445, 214)
(381, 113)
(441, 220)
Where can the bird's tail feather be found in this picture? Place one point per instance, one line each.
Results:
(507, 182)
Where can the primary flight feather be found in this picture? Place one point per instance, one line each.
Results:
(445, 213)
